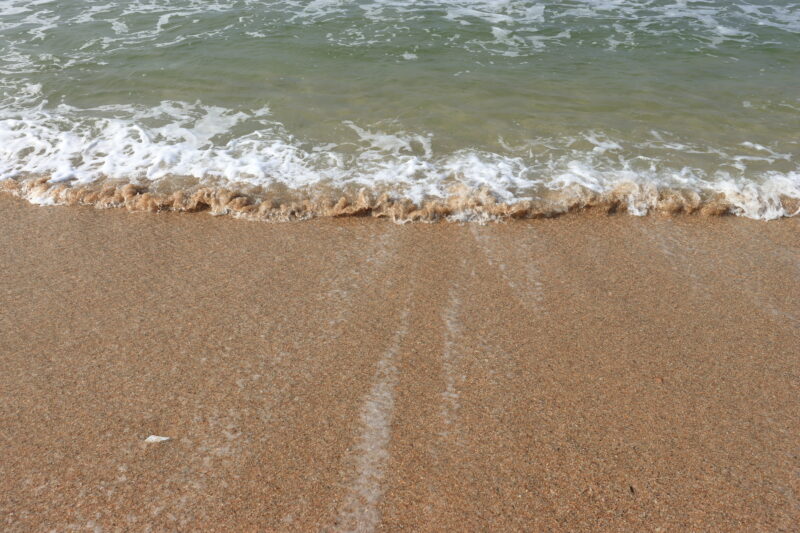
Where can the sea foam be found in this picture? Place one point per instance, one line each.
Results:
(191, 146)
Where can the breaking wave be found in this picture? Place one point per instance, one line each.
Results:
(461, 205)
(188, 157)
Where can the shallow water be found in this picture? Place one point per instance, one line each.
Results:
(521, 100)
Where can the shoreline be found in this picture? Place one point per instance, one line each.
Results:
(462, 205)
(345, 373)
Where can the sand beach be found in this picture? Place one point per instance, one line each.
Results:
(579, 373)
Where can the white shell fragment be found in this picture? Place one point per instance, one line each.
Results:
(155, 438)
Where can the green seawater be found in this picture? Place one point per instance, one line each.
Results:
(407, 96)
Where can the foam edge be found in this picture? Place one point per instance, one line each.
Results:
(462, 204)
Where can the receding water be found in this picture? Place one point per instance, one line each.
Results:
(409, 97)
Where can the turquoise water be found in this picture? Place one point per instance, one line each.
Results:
(414, 98)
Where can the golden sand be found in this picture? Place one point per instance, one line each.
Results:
(576, 373)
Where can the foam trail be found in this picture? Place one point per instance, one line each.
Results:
(360, 510)
(450, 358)
(530, 289)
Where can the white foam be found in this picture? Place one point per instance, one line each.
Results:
(177, 139)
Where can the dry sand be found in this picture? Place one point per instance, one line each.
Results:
(577, 373)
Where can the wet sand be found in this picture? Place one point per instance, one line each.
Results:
(577, 373)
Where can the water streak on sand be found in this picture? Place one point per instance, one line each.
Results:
(529, 288)
(343, 288)
(450, 359)
(360, 510)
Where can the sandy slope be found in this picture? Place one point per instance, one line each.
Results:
(573, 373)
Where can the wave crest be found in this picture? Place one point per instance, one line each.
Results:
(463, 204)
